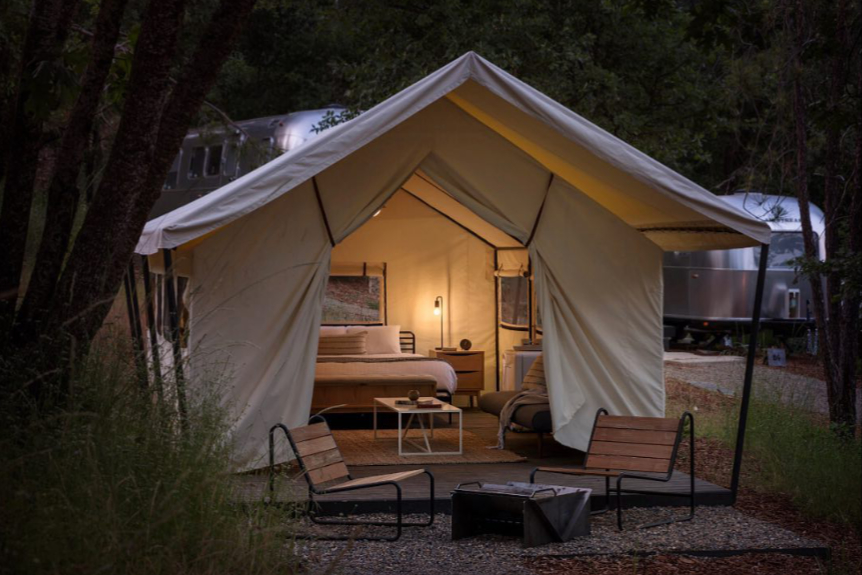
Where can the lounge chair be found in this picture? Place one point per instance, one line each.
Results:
(536, 418)
(625, 448)
(321, 462)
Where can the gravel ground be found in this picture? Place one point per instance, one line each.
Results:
(430, 550)
(790, 388)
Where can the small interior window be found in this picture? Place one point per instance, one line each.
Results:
(515, 302)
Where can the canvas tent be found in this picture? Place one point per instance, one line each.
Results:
(502, 160)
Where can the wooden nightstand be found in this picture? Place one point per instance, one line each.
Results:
(469, 366)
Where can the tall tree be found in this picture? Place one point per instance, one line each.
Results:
(836, 307)
(78, 272)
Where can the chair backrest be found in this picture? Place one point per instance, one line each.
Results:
(639, 444)
(317, 453)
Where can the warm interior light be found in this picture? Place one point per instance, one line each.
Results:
(377, 213)
(437, 307)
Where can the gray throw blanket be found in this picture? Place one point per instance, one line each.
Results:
(525, 397)
(371, 359)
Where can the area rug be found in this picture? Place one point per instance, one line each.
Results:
(359, 447)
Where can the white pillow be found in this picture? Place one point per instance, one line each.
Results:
(327, 330)
(381, 338)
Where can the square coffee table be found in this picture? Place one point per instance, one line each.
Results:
(416, 413)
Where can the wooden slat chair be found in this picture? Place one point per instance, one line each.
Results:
(321, 462)
(625, 448)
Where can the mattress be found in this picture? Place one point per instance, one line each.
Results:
(388, 364)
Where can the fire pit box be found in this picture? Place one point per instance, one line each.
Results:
(539, 514)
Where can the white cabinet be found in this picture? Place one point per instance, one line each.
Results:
(516, 364)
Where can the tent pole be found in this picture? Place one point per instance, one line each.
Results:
(322, 211)
(134, 328)
(749, 371)
(530, 298)
(138, 329)
(496, 320)
(385, 297)
(151, 328)
(174, 322)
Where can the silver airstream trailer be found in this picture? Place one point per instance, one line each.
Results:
(714, 290)
(211, 158)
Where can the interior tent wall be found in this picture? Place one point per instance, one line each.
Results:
(428, 255)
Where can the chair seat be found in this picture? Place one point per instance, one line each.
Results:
(396, 477)
(535, 417)
(580, 471)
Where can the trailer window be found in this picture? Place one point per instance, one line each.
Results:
(170, 181)
(784, 249)
(214, 161)
(196, 162)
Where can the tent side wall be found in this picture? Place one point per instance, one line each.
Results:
(257, 295)
(600, 289)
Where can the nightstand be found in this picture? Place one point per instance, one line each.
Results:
(469, 366)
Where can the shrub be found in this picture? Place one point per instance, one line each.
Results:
(800, 455)
(108, 483)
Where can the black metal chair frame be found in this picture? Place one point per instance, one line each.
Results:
(629, 475)
(399, 524)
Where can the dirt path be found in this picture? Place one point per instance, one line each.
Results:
(769, 383)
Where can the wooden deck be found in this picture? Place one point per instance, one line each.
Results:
(447, 477)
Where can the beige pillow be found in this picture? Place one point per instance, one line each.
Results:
(535, 378)
(381, 338)
(348, 344)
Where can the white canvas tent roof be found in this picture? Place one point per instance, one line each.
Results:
(674, 211)
(499, 158)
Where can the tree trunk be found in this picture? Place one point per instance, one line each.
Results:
(63, 191)
(46, 35)
(85, 291)
(795, 25)
(853, 298)
(149, 135)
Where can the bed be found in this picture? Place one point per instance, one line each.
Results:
(354, 380)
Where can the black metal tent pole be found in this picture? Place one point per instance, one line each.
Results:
(151, 328)
(749, 370)
(496, 320)
(130, 309)
(130, 282)
(174, 322)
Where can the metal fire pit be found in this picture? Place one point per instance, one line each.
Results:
(539, 514)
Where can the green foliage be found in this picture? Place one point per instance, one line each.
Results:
(628, 66)
(107, 484)
(799, 456)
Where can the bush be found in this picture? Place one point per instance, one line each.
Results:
(804, 458)
(798, 454)
(107, 483)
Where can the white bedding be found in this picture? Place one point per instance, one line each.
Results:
(439, 370)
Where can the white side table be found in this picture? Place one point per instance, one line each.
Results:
(427, 432)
